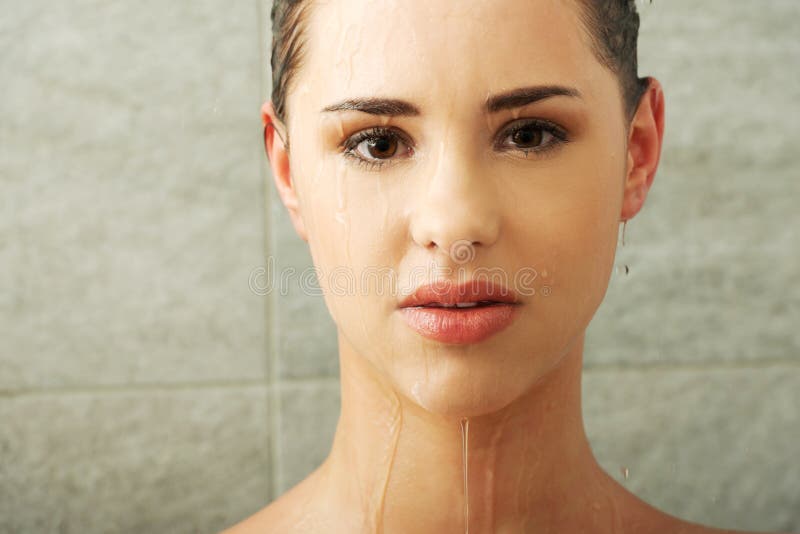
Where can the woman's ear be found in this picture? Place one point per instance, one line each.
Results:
(645, 137)
(278, 155)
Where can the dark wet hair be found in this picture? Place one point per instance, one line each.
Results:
(613, 27)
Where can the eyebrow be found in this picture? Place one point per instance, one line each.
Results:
(376, 106)
(516, 98)
(523, 96)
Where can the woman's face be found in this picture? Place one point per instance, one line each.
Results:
(447, 187)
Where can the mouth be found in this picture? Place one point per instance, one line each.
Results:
(460, 314)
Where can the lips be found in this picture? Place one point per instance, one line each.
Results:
(464, 313)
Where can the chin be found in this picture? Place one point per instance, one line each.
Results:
(457, 399)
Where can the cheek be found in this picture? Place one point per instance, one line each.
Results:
(566, 226)
(350, 219)
(355, 239)
(589, 227)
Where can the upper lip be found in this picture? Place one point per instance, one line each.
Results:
(449, 293)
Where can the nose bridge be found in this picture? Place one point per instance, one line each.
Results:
(459, 203)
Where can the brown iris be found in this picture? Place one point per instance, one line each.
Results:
(527, 137)
(382, 147)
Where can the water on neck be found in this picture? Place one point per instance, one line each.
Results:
(464, 455)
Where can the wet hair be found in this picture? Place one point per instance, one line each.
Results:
(288, 36)
(612, 25)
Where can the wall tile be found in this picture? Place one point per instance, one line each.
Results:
(308, 418)
(304, 330)
(717, 447)
(132, 194)
(193, 460)
(713, 260)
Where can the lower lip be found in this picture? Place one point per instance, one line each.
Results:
(459, 325)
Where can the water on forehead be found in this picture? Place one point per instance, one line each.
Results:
(424, 48)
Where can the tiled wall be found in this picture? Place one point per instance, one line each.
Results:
(145, 388)
(693, 379)
(133, 356)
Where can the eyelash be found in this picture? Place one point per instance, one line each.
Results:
(350, 145)
(559, 137)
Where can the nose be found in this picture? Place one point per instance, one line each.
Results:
(459, 211)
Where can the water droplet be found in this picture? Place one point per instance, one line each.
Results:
(625, 472)
(621, 270)
(415, 392)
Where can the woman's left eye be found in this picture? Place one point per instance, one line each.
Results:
(375, 147)
(532, 135)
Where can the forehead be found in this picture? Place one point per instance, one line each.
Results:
(430, 50)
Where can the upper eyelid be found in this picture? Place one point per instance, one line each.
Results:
(541, 123)
(376, 131)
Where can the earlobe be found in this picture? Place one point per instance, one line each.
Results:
(278, 156)
(645, 140)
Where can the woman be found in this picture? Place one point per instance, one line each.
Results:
(460, 171)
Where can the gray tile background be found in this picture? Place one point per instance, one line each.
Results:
(133, 356)
(145, 388)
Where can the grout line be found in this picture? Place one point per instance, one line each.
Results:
(275, 386)
(718, 365)
(313, 382)
(164, 387)
(273, 422)
(273, 398)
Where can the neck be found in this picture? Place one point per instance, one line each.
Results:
(529, 466)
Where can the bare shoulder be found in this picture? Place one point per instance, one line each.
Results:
(643, 518)
(284, 515)
(685, 527)
(269, 519)
(682, 527)
(699, 529)
(679, 526)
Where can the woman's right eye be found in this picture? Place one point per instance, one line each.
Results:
(375, 147)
